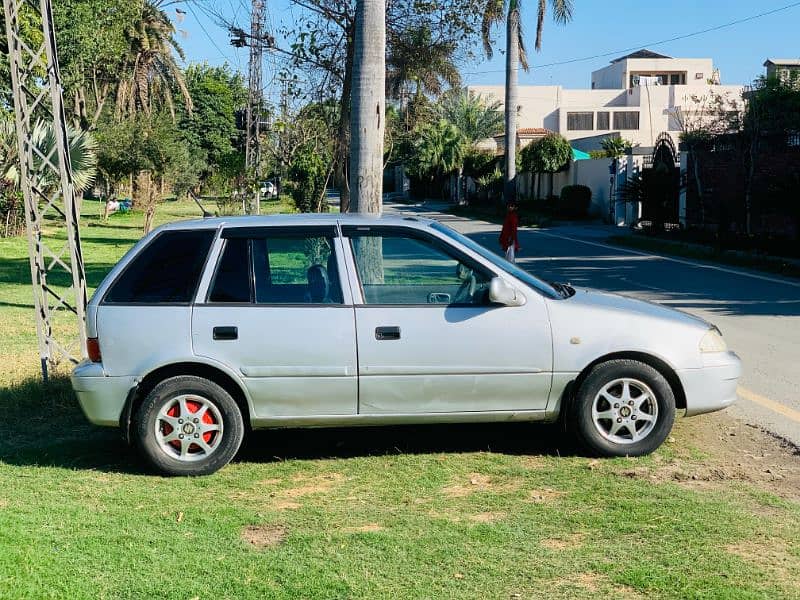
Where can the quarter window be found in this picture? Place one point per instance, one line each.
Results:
(232, 282)
(167, 270)
(396, 268)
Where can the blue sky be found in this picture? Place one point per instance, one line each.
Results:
(598, 27)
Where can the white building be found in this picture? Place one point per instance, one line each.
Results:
(637, 97)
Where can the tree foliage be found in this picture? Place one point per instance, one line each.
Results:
(476, 118)
(550, 154)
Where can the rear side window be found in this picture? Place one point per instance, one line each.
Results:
(166, 271)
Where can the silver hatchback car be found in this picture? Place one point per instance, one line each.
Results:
(208, 326)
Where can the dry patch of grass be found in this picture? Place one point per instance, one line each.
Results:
(773, 556)
(594, 583)
(478, 482)
(566, 542)
(544, 495)
(368, 528)
(487, 517)
(264, 536)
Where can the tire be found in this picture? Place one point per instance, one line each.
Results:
(176, 442)
(604, 416)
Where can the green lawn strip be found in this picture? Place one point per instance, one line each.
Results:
(80, 519)
(771, 264)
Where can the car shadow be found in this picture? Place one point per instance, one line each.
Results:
(43, 426)
(501, 438)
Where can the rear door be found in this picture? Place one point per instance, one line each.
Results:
(428, 339)
(276, 312)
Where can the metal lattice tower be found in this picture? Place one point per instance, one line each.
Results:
(51, 210)
(254, 103)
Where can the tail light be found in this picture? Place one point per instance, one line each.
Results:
(93, 349)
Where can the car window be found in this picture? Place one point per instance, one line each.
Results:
(500, 262)
(296, 270)
(399, 268)
(167, 270)
(232, 278)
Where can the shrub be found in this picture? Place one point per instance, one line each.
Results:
(574, 202)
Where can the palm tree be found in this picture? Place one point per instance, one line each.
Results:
(82, 153)
(417, 58)
(150, 72)
(439, 150)
(368, 107)
(475, 117)
(510, 10)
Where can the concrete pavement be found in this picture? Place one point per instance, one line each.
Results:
(759, 314)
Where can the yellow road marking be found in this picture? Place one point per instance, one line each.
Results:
(787, 412)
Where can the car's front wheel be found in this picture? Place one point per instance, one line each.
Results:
(623, 408)
(188, 425)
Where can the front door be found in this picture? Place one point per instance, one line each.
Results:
(275, 312)
(429, 341)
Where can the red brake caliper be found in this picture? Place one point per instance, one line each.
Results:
(193, 407)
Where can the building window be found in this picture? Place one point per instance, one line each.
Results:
(677, 79)
(626, 120)
(603, 121)
(580, 121)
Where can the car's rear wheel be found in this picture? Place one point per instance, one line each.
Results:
(623, 408)
(188, 425)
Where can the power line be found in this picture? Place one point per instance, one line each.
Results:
(650, 44)
(210, 39)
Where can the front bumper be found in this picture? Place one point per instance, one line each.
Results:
(713, 386)
(101, 398)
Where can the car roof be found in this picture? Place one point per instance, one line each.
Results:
(297, 220)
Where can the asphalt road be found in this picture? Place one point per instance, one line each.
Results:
(759, 314)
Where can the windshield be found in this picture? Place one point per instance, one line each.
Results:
(500, 262)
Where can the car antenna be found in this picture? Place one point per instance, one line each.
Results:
(206, 214)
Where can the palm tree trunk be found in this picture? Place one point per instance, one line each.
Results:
(512, 90)
(343, 137)
(367, 126)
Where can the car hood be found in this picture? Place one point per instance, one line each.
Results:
(616, 302)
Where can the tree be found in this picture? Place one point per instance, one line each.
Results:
(415, 57)
(550, 154)
(369, 107)
(510, 10)
(772, 113)
(210, 129)
(474, 117)
(615, 146)
(92, 45)
(439, 151)
(323, 45)
(150, 150)
(82, 149)
(150, 73)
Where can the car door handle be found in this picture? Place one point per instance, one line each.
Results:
(226, 333)
(387, 333)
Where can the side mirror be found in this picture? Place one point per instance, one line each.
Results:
(501, 292)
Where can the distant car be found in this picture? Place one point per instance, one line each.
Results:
(207, 327)
(268, 189)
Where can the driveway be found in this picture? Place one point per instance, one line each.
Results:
(759, 314)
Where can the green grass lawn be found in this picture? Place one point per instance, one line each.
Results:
(478, 511)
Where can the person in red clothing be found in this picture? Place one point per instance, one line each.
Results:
(508, 236)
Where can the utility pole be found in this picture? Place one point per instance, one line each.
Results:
(252, 155)
(56, 249)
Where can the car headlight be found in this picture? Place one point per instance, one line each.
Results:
(712, 342)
